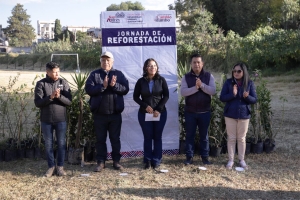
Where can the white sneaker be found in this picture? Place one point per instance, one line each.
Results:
(229, 165)
(243, 164)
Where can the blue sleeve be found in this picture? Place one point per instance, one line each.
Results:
(91, 87)
(227, 92)
(252, 97)
(122, 85)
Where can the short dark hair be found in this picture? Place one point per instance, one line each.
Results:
(196, 55)
(51, 65)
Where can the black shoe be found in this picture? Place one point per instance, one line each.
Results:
(188, 161)
(117, 166)
(147, 165)
(100, 167)
(205, 161)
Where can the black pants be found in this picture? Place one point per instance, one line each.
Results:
(112, 124)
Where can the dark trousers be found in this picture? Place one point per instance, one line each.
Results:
(60, 133)
(112, 124)
(152, 131)
(192, 121)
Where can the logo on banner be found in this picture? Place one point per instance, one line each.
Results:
(120, 15)
(163, 18)
(115, 19)
(135, 18)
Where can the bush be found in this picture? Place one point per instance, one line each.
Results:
(268, 47)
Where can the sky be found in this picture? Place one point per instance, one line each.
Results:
(70, 12)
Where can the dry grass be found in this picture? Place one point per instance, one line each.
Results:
(271, 176)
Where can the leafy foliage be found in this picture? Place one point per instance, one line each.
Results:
(182, 69)
(264, 113)
(217, 126)
(19, 30)
(202, 37)
(261, 113)
(15, 110)
(57, 30)
(80, 117)
(242, 16)
(51, 47)
(88, 51)
(263, 48)
(83, 36)
(290, 12)
(267, 47)
(127, 5)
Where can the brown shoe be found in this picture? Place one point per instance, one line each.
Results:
(100, 167)
(60, 171)
(117, 166)
(49, 172)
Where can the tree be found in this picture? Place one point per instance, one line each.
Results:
(83, 36)
(290, 10)
(241, 16)
(186, 11)
(19, 30)
(127, 5)
(218, 8)
(198, 35)
(57, 29)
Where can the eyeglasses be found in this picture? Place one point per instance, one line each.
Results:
(237, 71)
(152, 66)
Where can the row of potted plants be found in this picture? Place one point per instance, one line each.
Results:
(17, 116)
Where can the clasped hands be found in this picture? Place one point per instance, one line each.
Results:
(55, 93)
(235, 90)
(112, 82)
(198, 83)
(150, 110)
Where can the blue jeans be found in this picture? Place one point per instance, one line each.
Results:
(60, 133)
(110, 123)
(192, 121)
(152, 131)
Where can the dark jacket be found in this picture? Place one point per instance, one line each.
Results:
(157, 99)
(52, 110)
(237, 107)
(109, 100)
(200, 101)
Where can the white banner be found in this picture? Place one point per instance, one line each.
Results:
(133, 37)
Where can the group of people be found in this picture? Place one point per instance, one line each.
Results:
(107, 86)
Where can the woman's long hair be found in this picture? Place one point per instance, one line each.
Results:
(245, 77)
(145, 69)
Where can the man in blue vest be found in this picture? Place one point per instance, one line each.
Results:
(197, 87)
